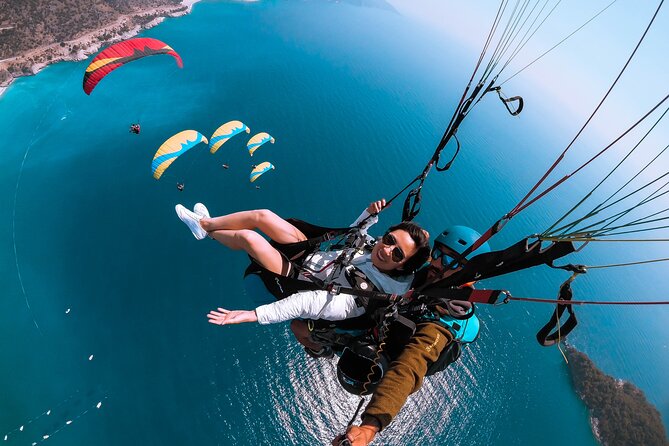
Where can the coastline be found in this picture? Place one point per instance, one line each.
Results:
(619, 412)
(124, 27)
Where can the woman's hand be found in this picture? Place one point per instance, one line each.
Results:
(376, 206)
(227, 317)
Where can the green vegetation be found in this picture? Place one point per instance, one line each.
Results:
(621, 412)
(29, 24)
(34, 33)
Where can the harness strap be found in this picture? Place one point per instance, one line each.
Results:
(544, 336)
(412, 203)
(455, 154)
(430, 296)
(508, 101)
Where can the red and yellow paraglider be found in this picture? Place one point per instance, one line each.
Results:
(121, 53)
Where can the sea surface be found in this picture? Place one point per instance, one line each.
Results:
(105, 291)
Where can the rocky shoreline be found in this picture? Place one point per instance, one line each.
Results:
(125, 26)
(620, 413)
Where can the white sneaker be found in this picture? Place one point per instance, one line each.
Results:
(192, 220)
(201, 210)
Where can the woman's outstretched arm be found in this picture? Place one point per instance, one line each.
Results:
(227, 317)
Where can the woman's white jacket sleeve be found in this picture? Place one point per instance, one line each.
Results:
(310, 305)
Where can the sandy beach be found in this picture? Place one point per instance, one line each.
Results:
(85, 45)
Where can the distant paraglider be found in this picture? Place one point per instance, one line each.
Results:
(183, 141)
(121, 53)
(259, 170)
(258, 140)
(171, 149)
(225, 132)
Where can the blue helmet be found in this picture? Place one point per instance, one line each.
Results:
(459, 238)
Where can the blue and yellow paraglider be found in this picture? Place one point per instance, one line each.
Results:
(258, 140)
(259, 170)
(225, 132)
(174, 147)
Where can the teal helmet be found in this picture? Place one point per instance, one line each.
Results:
(460, 238)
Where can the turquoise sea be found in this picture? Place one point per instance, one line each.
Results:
(357, 98)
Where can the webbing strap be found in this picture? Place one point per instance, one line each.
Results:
(457, 150)
(465, 294)
(544, 336)
(507, 101)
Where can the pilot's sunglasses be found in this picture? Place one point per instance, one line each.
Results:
(389, 240)
(446, 260)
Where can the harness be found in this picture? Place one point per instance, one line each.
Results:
(421, 305)
(457, 316)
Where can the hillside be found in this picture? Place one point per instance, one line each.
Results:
(621, 414)
(34, 33)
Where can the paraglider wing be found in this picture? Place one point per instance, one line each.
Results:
(121, 53)
(258, 140)
(225, 132)
(259, 170)
(173, 148)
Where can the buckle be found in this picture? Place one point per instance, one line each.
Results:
(406, 297)
(333, 288)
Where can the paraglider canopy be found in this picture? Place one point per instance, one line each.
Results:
(259, 170)
(121, 53)
(174, 147)
(225, 132)
(258, 140)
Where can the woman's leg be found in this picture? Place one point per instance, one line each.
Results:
(256, 246)
(265, 220)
